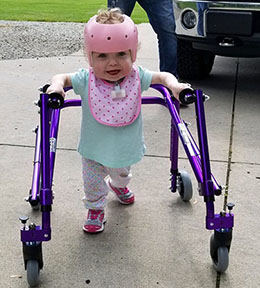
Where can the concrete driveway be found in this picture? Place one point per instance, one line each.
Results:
(159, 241)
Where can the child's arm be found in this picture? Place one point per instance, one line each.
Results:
(58, 82)
(169, 81)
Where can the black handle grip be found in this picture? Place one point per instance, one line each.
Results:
(55, 100)
(45, 87)
(187, 96)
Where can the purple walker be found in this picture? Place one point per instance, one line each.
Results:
(40, 195)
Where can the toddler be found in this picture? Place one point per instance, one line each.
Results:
(111, 137)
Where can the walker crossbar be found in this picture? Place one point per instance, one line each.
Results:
(198, 155)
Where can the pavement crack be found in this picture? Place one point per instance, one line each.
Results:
(17, 145)
(147, 155)
(32, 146)
(229, 161)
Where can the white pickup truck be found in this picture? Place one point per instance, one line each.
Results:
(208, 28)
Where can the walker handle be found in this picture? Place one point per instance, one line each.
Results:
(187, 96)
(55, 100)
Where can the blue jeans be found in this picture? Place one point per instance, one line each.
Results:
(161, 17)
(201, 8)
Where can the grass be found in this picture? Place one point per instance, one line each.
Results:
(58, 10)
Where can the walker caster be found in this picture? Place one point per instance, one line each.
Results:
(33, 272)
(184, 186)
(219, 249)
(32, 253)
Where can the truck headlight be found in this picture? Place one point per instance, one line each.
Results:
(189, 19)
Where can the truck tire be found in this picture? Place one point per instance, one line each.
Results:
(192, 63)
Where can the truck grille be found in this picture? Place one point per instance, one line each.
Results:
(228, 22)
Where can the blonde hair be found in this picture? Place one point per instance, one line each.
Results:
(110, 16)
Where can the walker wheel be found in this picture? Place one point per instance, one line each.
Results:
(184, 186)
(219, 255)
(33, 272)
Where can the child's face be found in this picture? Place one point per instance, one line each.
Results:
(112, 66)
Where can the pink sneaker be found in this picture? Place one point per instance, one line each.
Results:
(124, 195)
(95, 221)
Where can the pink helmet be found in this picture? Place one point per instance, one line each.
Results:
(110, 38)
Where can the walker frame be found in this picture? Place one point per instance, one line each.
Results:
(41, 194)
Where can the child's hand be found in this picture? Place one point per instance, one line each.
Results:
(170, 81)
(178, 87)
(54, 88)
(58, 82)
